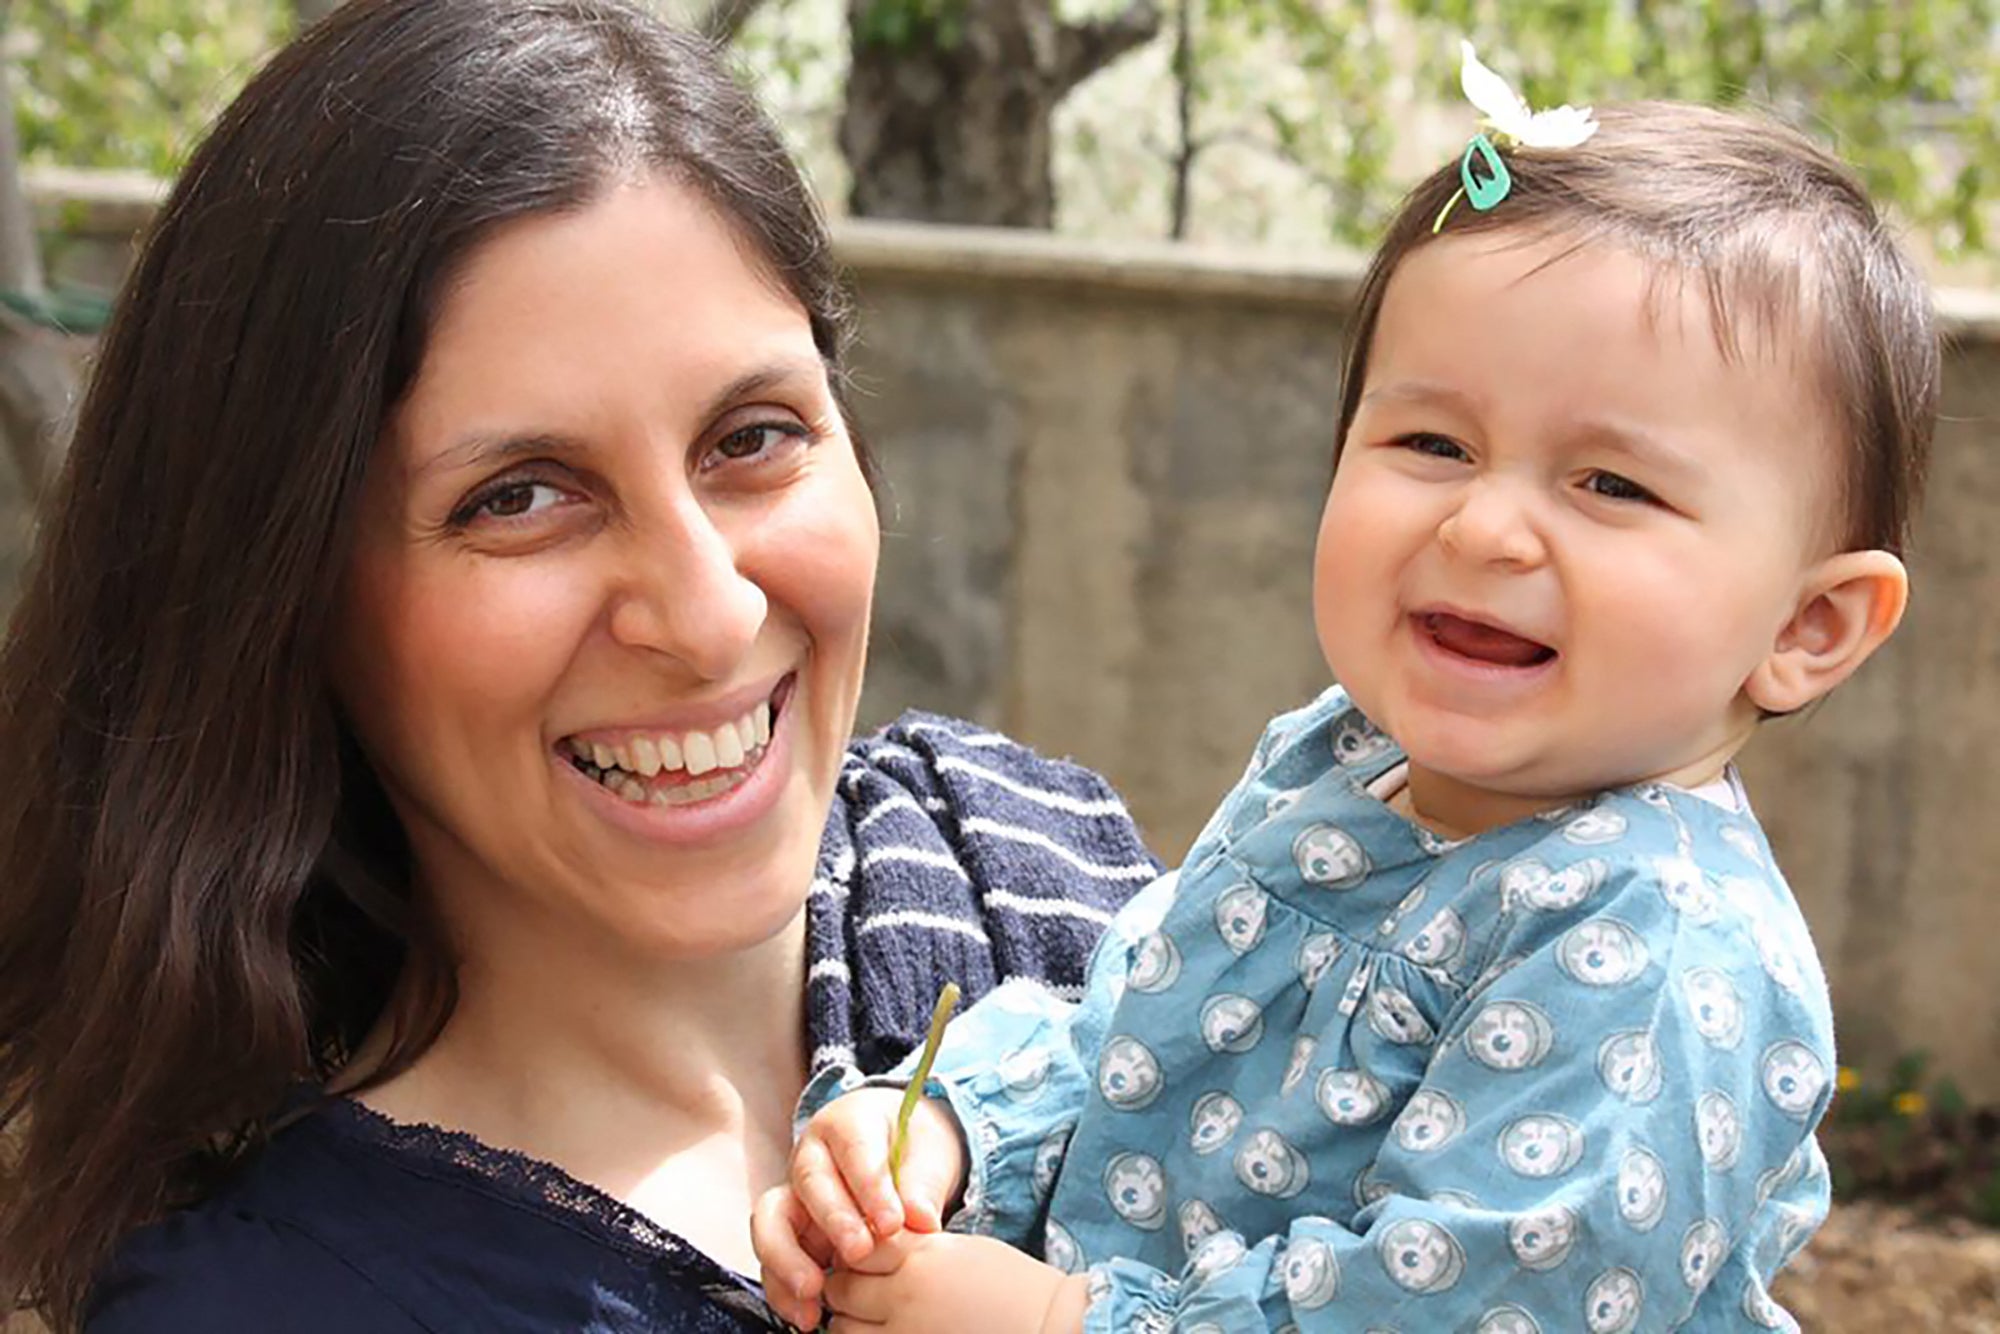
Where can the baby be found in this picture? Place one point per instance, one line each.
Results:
(1480, 1003)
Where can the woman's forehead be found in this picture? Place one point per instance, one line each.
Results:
(644, 297)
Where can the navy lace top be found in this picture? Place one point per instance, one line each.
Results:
(950, 853)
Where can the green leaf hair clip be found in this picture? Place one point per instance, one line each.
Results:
(1505, 112)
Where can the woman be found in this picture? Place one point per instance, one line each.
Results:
(435, 861)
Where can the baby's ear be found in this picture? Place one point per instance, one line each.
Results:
(1848, 605)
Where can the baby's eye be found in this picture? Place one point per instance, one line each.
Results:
(1613, 487)
(1435, 446)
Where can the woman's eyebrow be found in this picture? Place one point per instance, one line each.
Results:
(488, 449)
(761, 379)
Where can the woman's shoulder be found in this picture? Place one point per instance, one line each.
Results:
(267, 1251)
(347, 1221)
(225, 1267)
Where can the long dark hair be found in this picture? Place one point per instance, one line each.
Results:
(204, 899)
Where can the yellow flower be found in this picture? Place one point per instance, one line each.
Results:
(1911, 1103)
(1848, 1079)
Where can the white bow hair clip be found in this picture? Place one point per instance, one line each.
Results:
(1506, 112)
(1482, 172)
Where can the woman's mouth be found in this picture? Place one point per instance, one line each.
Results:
(679, 768)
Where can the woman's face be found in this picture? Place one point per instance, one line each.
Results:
(606, 615)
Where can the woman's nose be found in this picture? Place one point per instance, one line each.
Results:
(685, 594)
(1494, 524)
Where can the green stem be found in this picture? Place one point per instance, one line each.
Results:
(947, 1001)
(1445, 212)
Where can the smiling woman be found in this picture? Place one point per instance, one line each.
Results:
(659, 538)
(436, 858)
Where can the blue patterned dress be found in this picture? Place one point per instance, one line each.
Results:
(1342, 1075)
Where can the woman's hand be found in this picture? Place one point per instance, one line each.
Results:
(918, 1283)
(841, 1198)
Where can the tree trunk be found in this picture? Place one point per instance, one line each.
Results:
(35, 379)
(1188, 148)
(950, 103)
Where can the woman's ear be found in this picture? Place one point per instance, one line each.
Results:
(1849, 604)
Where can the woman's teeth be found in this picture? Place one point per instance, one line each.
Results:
(728, 752)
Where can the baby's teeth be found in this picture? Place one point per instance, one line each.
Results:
(728, 746)
(746, 732)
(631, 790)
(670, 754)
(645, 756)
(760, 722)
(601, 755)
(700, 753)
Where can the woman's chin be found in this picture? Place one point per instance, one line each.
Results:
(720, 873)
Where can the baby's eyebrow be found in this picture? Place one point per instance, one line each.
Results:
(1650, 452)
(1604, 434)
(1423, 393)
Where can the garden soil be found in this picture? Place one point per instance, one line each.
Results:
(1880, 1269)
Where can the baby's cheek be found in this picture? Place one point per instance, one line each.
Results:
(1340, 601)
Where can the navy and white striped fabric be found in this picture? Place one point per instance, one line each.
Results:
(955, 854)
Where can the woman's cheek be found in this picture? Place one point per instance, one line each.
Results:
(819, 553)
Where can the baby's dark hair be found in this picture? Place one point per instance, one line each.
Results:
(1782, 238)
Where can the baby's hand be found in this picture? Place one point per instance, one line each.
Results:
(917, 1284)
(794, 1255)
(841, 1197)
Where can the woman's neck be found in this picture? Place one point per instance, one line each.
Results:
(668, 1084)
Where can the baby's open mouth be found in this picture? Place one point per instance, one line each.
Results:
(679, 768)
(1482, 642)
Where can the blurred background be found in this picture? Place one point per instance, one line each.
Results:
(1106, 251)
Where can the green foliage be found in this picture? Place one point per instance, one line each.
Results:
(129, 83)
(1907, 92)
(1914, 1139)
(1341, 131)
(1355, 97)
(904, 23)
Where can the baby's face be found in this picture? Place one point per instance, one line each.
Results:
(1565, 528)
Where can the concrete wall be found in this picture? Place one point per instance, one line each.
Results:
(1106, 470)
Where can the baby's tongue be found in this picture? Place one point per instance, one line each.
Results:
(1485, 642)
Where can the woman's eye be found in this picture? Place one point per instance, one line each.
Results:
(751, 442)
(1434, 446)
(1613, 487)
(510, 500)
